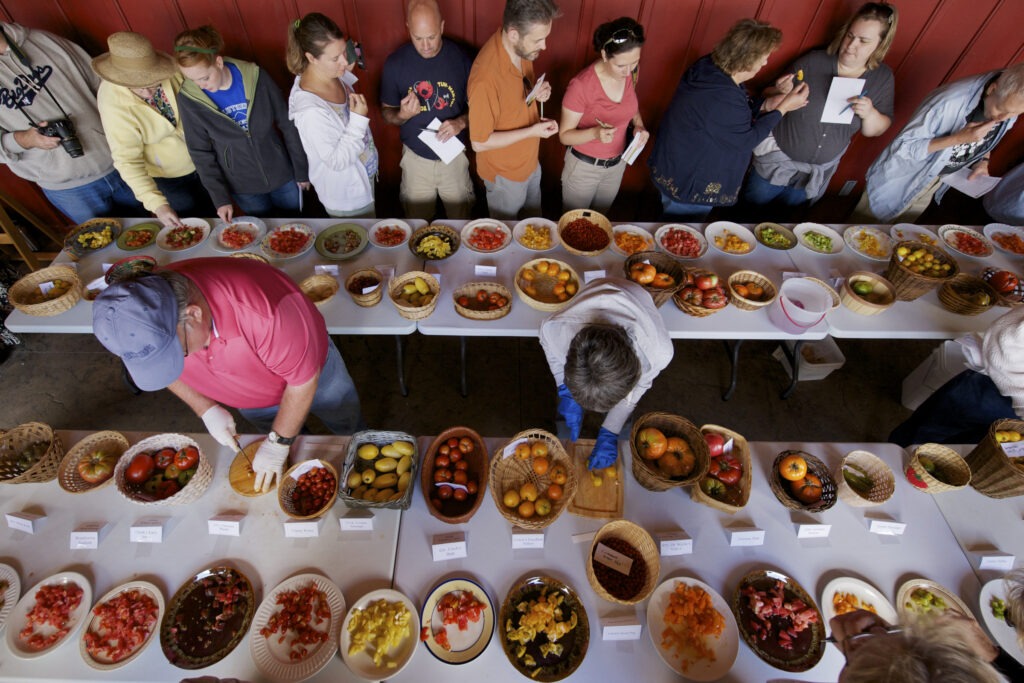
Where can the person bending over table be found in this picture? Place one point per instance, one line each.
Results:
(230, 331)
(605, 349)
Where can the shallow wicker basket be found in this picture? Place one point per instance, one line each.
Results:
(954, 295)
(909, 285)
(191, 491)
(414, 312)
(251, 256)
(68, 477)
(544, 285)
(992, 472)
(287, 486)
(744, 303)
(14, 441)
(320, 288)
(368, 299)
(641, 541)
(594, 217)
(443, 231)
(354, 463)
(20, 291)
(953, 469)
(814, 466)
(647, 474)
(691, 309)
(859, 304)
(471, 288)
(882, 478)
(456, 511)
(740, 451)
(1010, 299)
(511, 472)
(76, 250)
(663, 263)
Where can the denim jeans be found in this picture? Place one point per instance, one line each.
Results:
(186, 195)
(760, 192)
(678, 211)
(336, 401)
(108, 196)
(284, 198)
(960, 411)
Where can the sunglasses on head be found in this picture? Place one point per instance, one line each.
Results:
(623, 35)
(881, 8)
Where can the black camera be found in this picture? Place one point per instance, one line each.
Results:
(65, 130)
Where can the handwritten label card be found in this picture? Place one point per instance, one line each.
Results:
(357, 520)
(299, 529)
(613, 559)
(996, 561)
(813, 530)
(740, 537)
(450, 546)
(885, 527)
(87, 536)
(1013, 449)
(675, 543)
(328, 269)
(527, 539)
(485, 271)
(621, 628)
(147, 530)
(227, 524)
(24, 521)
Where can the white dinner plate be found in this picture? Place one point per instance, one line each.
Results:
(250, 224)
(465, 645)
(863, 591)
(94, 625)
(361, 663)
(1005, 635)
(161, 237)
(903, 232)
(836, 243)
(992, 230)
(490, 225)
(632, 230)
(519, 231)
(11, 594)
(948, 235)
(857, 238)
(665, 231)
(270, 252)
(725, 646)
(950, 598)
(719, 231)
(389, 223)
(272, 657)
(19, 618)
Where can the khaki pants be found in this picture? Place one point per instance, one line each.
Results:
(862, 212)
(424, 179)
(586, 186)
(506, 199)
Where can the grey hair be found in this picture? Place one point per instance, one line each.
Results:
(184, 290)
(1013, 584)
(601, 367)
(523, 15)
(1009, 84)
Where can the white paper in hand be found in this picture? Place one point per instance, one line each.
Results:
(972, 188)
(448, 150)
(837, 109)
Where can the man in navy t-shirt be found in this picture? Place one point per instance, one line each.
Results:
(424, 80)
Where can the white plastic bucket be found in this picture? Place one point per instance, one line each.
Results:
(800, 305)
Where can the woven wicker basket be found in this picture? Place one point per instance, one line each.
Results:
(370, 298)
(21, 290)
(740, 451)
(953, 471)
(859, 304)
(594, 217)
(470, 289)
(544, 285)
(1011, 299)
(76, 250)
(663, 263)
(747, 304)
(456, 511)
(287, 486)
(954, 295)
(909, 285)
(112, 443)
(815, 467)
(649, 475)
(251, 256)
(449, 235)
(511, 472)
(15, 441)
(414, 312)
(992, 472)
(320, 288)
(691, 309)
(882, 478)
(354, 463)
(191, 491)
(641, 541)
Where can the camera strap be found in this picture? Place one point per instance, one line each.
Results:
(20, 55)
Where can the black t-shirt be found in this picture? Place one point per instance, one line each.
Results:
(439, 82)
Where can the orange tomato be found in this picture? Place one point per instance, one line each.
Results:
(793, 468)
(559, 475)
(555, 492)
(807, 490)
(540, 466)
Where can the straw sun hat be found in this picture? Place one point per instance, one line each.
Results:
(132, 62)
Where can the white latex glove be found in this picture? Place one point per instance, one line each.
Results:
(220, 425)
(268, 464)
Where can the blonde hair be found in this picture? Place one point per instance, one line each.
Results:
(198, 46)
(882, 12)
(309, 34)
(744, 45)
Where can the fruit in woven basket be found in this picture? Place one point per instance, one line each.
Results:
(511, 498)
(1007, 436)
(416, 293)
(749, 290)
(140, 468)
(97, 467)
(725, 469)
(379, 470)
(57, 288)
(713, 487)
(714, 298)
(651, 443)
(558, 474)
(526, 509)
(186, 458)
(368, 451)
(542, 507)
(642, 273)
(807, 490)
(663, 281)
(540, 466)
(528, 491)
(679, 459)
(792, 467)
(927, 463)
(715, 442)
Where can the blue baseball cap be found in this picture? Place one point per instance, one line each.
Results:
(137, 320)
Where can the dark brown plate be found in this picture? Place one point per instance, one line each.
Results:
(575, 642)
(809, 645)
(186, 634)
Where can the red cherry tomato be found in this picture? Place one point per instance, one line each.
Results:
(459, 494)
(444, 492)
(461, 466)
(481, 295)
(455, 455)
(442, 461)
(453, 442)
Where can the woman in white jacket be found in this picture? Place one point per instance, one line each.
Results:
(331, 117)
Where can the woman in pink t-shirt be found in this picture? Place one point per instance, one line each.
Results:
(597, 109)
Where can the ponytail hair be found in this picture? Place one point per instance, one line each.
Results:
(310, 34)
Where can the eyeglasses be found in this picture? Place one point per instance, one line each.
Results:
(185, 336)
(623, 35)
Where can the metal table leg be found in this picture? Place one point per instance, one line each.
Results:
(463, 384)
(733, 349)
(400, 353)
(792, 357)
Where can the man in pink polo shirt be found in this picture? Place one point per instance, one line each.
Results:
(230, 331)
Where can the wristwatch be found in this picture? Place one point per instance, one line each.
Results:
(274, 437)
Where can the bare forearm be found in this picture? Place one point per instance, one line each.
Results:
(199, 403)
(503, 138)
(577, 136)
(294, 407)
(875, 124)
(392, 115)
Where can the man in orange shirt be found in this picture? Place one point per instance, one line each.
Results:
(504, 130)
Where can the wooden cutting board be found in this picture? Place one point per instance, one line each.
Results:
(604, 501)
(241, 476)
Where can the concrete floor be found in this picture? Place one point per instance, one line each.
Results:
(71, 382)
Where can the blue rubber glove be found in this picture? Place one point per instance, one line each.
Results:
(571, 411)
(606, 450)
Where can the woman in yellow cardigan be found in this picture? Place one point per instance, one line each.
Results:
(139, 109)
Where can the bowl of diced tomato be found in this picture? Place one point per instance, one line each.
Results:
(287, 241)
